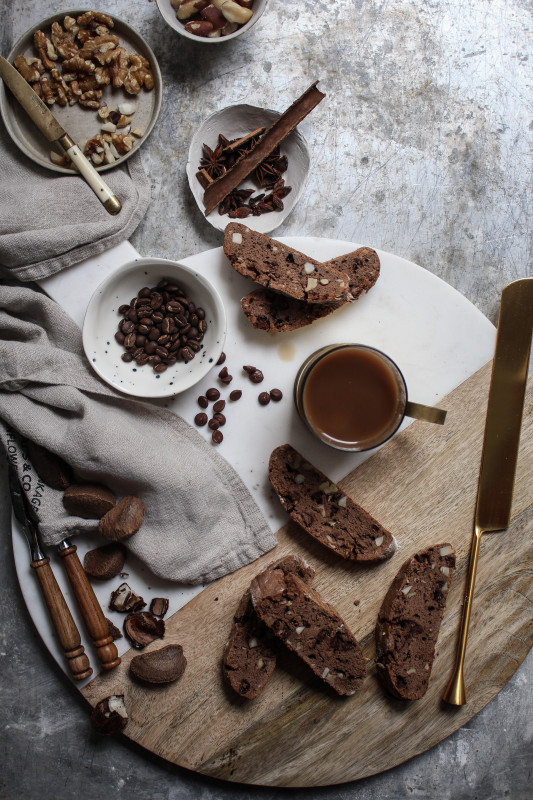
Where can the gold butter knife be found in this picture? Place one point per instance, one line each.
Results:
(41, 115)
(500, 445)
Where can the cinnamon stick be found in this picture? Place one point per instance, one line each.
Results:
(216, 191)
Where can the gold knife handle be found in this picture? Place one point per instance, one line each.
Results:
(65, 627)
(110, 202)
(92, 614)
(455, 693)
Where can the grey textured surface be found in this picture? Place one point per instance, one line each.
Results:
(423, 148)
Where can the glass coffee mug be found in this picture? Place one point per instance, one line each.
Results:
(354, 397)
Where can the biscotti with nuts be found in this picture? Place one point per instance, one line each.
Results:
(248, 660)
(324, 511)
(409, 621)
(276, 266)
(310, 628)
(270, 311)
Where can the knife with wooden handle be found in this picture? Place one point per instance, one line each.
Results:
(64, 625)
(500, 445)
(41, 115)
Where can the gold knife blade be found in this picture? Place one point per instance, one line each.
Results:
(500, 445)
(49, 126)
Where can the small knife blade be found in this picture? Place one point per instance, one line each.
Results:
(500, 446)
(49, 126)
(67, 632)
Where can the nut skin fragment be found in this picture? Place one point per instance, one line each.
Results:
(109, 715)
(123, 520)
(105, 562)
(123, 599)
(159, 606)
(142, 628)
(89, 501)
(159, 667)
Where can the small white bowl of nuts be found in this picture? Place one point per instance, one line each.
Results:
(211, 21)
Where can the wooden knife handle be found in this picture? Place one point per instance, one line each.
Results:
(92, 614)
(65, 627)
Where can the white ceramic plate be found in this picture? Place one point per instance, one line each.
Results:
(102, 319)
(79, 122)
(234, 122)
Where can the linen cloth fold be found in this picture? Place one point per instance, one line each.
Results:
(49, 220)
(201, 521)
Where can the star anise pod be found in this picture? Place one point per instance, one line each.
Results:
(235, 199)
(213, 161)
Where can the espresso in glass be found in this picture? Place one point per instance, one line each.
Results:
(351, 396)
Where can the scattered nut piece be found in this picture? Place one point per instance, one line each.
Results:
(159, 606)
(105, 562)
(124, 599)
(159, 667)
(143, 627)
(109, 715)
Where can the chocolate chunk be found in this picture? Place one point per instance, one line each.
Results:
(160, 666)
(143, 627)
(212, 394)
(276, 395)
(90, 501)
(159, 606)
(220, 405)
(124, 520)
(221, 359)
(200, 419)
(109, 715)
(256, 376)
(409, 621)
(264, 398)
(203, 402)
(236, 394)
(125, 599)
(50, 468)
(217, 437)
(105, 562)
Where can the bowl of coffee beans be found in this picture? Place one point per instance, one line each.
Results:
(154, 328)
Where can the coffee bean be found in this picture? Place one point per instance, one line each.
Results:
(127, 357)
(162, 283)
(132, 315)
(220, 418)
(201, 418)
(276, 395)
(223, 373)
(160, 367)
(221, 359)
(140, 340)
(256, 376)
(219, 405)
(129, 341)
(195, 346)
(203, 402)
(150, 347)
(153, 359)
(202, 326)
(264, 398)
(143, 329)
(193, 319)
(127, 326)
(227, 379)
(217, 437)
(212, 394)
(170, 360)
(119, 336)
(154, 334)
(146, 321)
(187, 353)
(214, 424)
(138, 351)
(157, 317)
(156, 301)
(123, 309)
(200, 313)
(236, 394)
(145, 292)
(248, 368)
(142, 359)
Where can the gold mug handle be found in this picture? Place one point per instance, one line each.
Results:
(425, 413)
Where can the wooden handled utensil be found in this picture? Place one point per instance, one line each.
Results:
(91, 611)
(500, 446)
(65, 627)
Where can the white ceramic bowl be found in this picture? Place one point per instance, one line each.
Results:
(102, 319)
(234, 122)
(169, 15)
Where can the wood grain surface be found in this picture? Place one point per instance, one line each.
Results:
(422, 486)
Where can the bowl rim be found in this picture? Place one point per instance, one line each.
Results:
(140, 264)
(179, 28)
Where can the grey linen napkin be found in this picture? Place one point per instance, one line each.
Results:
(49, 220)
(201, 521)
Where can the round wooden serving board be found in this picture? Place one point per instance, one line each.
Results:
(422, 486)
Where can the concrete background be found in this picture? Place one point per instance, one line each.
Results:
(422, 148)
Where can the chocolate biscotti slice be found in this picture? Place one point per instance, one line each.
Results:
(248, 660)
(310, 628)
(270, 311)
(325, 512)
(277, 266)
(409, 621)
